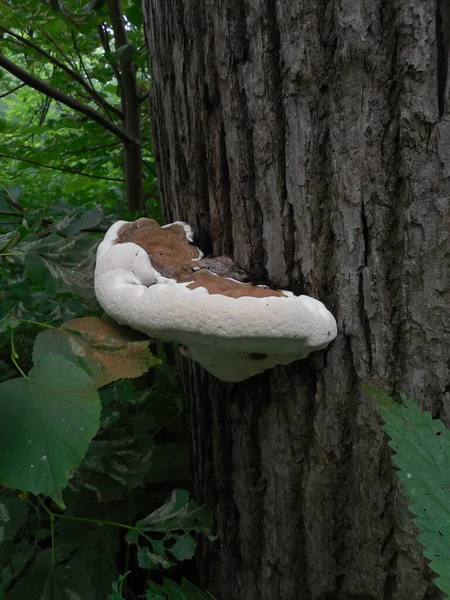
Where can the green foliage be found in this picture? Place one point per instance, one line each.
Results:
(422, 455)
(171, 591)
(176, 519)
(49, 149)
(168, 591)
(118, 588)
(91, 439)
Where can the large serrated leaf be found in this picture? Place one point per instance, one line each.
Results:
(61, 264)
(87, 220)
(106, 351)
(422, 446)
(46, 423)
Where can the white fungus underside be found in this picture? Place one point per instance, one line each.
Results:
(219, 331)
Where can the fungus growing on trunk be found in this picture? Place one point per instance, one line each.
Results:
(156, 280)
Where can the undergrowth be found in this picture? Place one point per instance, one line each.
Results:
(93, 460)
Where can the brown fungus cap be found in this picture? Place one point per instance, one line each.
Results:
(174, 256)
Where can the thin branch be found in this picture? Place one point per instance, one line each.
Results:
(143, 98)
(58, 47)
(94, 91)
(44, 108)
(65, 169)
(73, 74)
(12, 91)
(12, 200)
(48, 90)
(104, 39)
(92, 149)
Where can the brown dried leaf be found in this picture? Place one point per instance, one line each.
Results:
(107, 351)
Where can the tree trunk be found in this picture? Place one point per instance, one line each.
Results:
(311, 140)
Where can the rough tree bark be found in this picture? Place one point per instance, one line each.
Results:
(310, 139)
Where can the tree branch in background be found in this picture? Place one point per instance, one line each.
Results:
(133, 154)
(68, 70)
(103, 102)
(92, 149)
(13, 90)
(58, 48)
(104, 39)
(48, 90)
(65, 169)
(12, 201)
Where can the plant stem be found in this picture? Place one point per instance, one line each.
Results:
(54, 516)
(96, 521)
(37, 323)
(15, 356)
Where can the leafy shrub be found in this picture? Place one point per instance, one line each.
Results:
(91, 440)
(422, 455)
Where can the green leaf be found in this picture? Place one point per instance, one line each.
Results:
(117, 587)
(193, 593)
(7, 240)
(13, 514)
(93, 5)
(178, 513)
(15, 191)
(151, 560)
(62, 265)
(8, 322)
(134, 13)
(46, 424)
(422, 447)
(155, 592)
(124, 52)
(77, 183)
(172, 591)
(184, 547)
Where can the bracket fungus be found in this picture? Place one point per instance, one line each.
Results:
(154, 279)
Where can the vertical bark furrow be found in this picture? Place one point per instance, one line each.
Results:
(442, 52)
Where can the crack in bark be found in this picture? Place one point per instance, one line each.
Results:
(227, 247)
(442, 47)
(277, 84)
